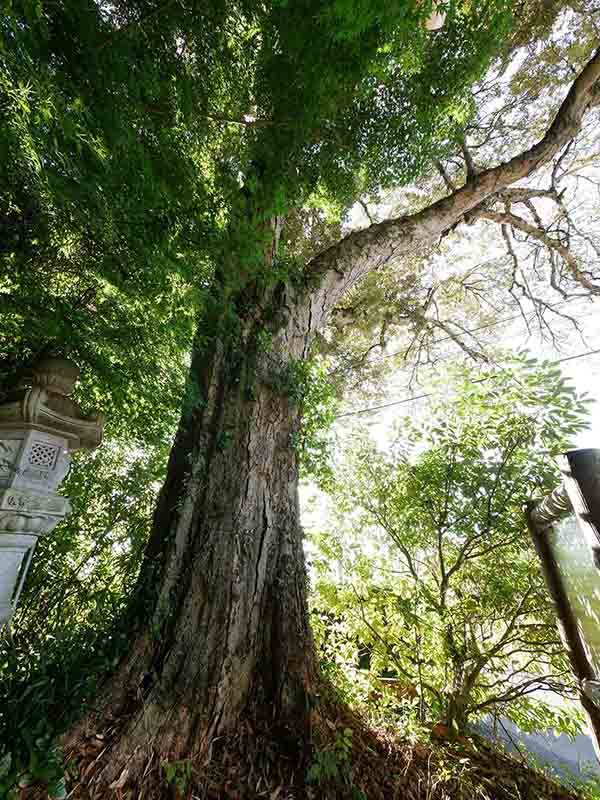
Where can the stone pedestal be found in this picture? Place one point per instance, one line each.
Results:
(25, 515)
(39, 426)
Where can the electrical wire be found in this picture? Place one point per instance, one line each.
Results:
(429, 394)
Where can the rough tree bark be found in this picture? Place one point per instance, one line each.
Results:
(227, 637)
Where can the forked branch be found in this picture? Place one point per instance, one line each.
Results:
(553, 244)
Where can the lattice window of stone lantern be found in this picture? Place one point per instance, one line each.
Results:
(43, 455)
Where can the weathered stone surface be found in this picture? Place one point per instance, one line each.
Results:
(39, 426)
(15, 553)
(25, 515)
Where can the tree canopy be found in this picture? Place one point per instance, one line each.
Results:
(129, 130)
(176, 213)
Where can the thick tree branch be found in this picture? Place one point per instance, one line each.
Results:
(342, 265)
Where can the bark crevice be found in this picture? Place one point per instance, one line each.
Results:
(229, 637)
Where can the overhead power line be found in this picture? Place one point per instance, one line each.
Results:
(429, 394)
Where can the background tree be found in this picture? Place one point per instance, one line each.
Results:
(439, 579)
(256, 110)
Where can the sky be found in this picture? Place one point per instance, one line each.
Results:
(575, 351)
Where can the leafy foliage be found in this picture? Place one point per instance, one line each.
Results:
(178, 774)
(128, 130)
(438, 583)
(311, 388)
(67, 633)
(147, 148)
(331, 767)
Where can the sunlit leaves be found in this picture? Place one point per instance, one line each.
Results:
(429, 565)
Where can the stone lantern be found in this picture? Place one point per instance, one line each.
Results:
(39, 426)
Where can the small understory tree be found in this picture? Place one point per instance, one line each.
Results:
(437, 578)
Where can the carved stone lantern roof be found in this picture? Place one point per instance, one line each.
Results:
(46, 406)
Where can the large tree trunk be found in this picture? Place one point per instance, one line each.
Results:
(226, 636)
